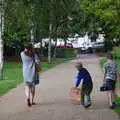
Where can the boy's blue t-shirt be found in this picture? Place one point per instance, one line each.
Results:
(83, 74)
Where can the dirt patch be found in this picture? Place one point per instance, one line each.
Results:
(101, 54)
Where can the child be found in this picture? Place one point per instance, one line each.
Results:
(110, 76)
(83, 77)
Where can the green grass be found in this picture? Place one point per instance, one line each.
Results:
(102, 61)
(12, 75)
(117, 109)
(116, 52)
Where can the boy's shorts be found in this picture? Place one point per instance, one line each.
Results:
(86, 89)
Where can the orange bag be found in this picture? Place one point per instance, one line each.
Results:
(75, 94)
(38, 68)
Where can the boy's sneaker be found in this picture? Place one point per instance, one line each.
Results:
(87, 106)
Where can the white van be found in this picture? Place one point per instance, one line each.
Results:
(98, 45)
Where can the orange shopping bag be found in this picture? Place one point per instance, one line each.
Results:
(75, 94)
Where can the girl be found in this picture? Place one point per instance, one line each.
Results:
(110, 76)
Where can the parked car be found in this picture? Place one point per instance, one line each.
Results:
(98, 45)
(85, 46)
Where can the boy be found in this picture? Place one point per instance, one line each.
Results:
(84, 80)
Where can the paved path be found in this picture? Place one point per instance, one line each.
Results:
(53, 97)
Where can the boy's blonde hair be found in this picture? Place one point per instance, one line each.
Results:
(79, 65)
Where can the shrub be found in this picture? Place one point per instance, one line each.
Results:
(116, 52)
(66, 52)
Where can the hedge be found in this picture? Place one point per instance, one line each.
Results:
(116, 52)
(66, 52)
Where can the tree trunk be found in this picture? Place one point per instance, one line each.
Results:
(54, 55)
(49, 46)
(65, 42)
(41, 50)
(1, 44)
(32, 33)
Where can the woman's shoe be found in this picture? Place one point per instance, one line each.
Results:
(28, 103)
(111, 107)
(114, 104)
(34, 103)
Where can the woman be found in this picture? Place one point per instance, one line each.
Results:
(30, 75)
(110, 76)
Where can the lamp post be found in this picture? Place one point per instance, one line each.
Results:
(1, 39)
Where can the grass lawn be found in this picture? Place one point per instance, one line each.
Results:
(12, 75)
(102, 61)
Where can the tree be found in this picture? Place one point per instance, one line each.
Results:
(16, 22)
(105, 16)
(89, 16)
(1, 36)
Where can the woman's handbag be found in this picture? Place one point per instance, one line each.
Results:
(75, 94)
(38, 68)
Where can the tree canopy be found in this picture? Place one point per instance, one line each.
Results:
(99, 16)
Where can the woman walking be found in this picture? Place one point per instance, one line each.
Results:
(30, 75)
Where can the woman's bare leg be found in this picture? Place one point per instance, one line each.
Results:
(33, 94)
(110, 97)
(27, 93)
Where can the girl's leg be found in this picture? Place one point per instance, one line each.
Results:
(27, 93)
(33, 94)
(113, 96)
(110, 98)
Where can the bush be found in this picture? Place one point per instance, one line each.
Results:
(116, 52)
(100, 50)
(66, 52)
